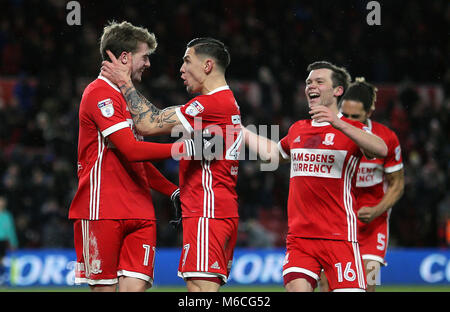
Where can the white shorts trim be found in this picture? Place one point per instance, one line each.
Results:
(83, 280)
(185, 275)
(374, 258)
(349, 290)
(301, 270)
(138, 275)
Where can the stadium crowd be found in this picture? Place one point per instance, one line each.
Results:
(45, 64)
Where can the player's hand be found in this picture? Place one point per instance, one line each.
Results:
(212, 143)
(176, 221)
(321, 113)
(117, 71)
(207, 144)
(368, 214)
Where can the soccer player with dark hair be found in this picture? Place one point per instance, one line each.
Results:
(207, 186)
(379, 182)
(324, 153)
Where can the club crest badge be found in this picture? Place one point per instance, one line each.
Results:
(329, 137)
(106, 107)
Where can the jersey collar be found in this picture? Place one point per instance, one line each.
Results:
(369, 124)
(323, 124)
(218, 89)
(114, 86)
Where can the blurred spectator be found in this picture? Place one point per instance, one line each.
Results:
(45, 64)
(8, 237)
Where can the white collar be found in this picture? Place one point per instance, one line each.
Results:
(219, 89)
(114, 86)
(369, 124)
(323, 124)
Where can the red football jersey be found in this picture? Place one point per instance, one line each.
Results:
(109, 187)
(370, 178)
(208, 188)
(371, 185)
(324, 161)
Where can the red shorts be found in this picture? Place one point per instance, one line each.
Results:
(340, 260)
(373, 239)
(208, 246)
(107, 249)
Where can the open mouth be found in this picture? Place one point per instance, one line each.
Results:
(313, 95)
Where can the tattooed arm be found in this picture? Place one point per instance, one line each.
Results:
(148, 119)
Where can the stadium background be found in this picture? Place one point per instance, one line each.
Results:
(46, 63)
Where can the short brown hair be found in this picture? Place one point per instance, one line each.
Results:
(125, 37)
(340, 76)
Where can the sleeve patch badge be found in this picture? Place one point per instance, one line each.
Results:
(194, 109)
(106, 107)
(398, 153)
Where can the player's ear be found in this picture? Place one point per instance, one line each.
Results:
(124, 57)
(338, 91)
(208, 66)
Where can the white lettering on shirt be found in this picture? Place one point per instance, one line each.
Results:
(317, 162)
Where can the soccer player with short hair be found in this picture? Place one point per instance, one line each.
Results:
(113, 213)
(379, 182)
(324, 153)
(208, 195)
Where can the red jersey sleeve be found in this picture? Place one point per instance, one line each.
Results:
(361, 126)
(105, 109)
(284, 148)
(199, 113)
(158, 181)
(393, 161)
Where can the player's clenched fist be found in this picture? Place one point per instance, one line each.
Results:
(322, 113)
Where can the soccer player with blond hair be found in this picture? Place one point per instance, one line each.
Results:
(112, 210)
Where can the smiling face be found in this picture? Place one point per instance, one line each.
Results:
(141, 61)
(193, 71)
(319, 88)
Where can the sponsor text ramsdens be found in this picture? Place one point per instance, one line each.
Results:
(317, 162)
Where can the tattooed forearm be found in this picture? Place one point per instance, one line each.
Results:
(139, 106)
(167, 116)
(146, 116)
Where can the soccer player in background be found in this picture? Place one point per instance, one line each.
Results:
(324, 153)
(207, 187)
(379, 182)
(113, 213)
